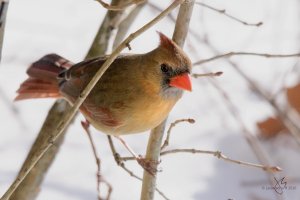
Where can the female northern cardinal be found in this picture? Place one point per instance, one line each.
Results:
(135, 94)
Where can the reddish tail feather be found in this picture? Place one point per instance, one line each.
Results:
(42, 81)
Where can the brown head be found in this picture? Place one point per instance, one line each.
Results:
(170, 67)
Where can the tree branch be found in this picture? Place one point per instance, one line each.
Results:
(3, 13)
(125, 24)
(120, 7)
(30, 187)
(101, 40)
(230, 54)
(223, 12)
(210, 74)
(219, 155)
(172, 125)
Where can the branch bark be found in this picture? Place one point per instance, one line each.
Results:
(126, 23)
(120, 6)
(156, 135)
(69, 114)
(3, 12)
(110, 22)
(30, 187)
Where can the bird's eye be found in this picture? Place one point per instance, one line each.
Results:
(164, 68)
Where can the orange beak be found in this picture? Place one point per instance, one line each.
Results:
(182, 82)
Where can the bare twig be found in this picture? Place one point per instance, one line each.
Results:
(230, 54)
(120, 163)
(125, 24)
(282, 85)
(3, 13)
(156, 135)
(219, 155)
(158, 9)
(172, 125)
(30, 187)
(100, 178)
(120, 7)
(109, 23)
(223, 12)
(13, 108)
(211, 74)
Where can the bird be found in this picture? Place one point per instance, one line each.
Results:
(135, 94)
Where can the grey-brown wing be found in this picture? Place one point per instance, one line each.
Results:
(82, 67)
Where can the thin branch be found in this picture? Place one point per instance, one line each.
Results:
(172, 125)
(211, 74)
(100, 178)
(3, 13)
(158, 9)
(30, 187)
(125, 24)
(120, 163)
(230, 54)
(120, 7)
(219, 155)
(110, 22)
(223, 12)
(282, 85)
(13, 108)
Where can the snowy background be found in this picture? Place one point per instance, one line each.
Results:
(67, 27)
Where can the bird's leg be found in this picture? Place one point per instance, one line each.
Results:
(116, 155)
(149, 165)
(127, 146)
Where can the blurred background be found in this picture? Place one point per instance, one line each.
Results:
(231, 112)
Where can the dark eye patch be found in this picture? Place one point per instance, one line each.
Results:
(164, 68)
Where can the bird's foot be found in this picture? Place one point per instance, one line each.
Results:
(149, 165)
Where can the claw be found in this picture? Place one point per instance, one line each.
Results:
(149, 165)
